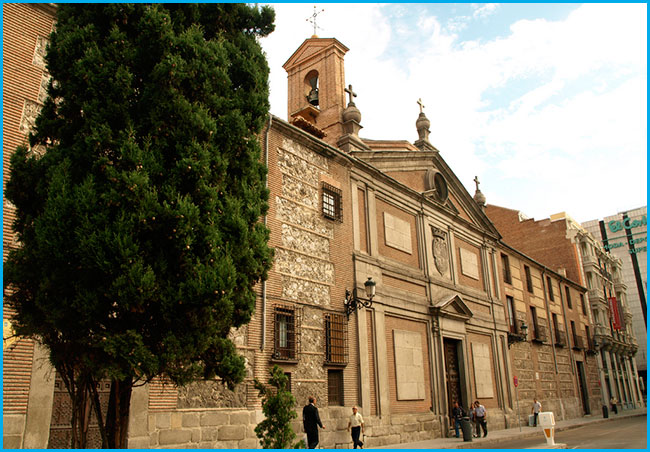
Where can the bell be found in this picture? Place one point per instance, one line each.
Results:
(312, 97)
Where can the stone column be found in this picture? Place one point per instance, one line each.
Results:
(139, 418)
(381, 361)
(41, 397)
(364, 365)
(372, 223)
(356, 236)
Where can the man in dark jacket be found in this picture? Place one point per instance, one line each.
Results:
(457, 413)
(311, 421)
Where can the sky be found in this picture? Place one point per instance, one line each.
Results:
(545, 103)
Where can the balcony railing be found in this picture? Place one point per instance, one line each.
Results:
(560, 338)
(539, 334)
(578, 343)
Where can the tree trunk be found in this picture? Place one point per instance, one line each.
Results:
(117, 417)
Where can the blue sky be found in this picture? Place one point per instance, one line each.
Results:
(545, 103)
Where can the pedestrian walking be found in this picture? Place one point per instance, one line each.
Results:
(613, 402)
(457, 414)
(476, 427)
(356, 426)
(311, 422)
(481, 419)
(537, 407)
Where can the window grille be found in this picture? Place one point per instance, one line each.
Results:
(336, 339)
(335, 387)
(286, 333)
(332, 202)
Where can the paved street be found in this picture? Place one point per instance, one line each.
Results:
(629, 433)
(624, 431)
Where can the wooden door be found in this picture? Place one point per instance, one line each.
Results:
(452, 373)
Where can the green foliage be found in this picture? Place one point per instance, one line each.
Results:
(140, 231)
(278, 403)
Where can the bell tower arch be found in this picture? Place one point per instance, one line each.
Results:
(316, 79)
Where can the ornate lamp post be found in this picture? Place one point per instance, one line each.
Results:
(518, 337)
(353, 302)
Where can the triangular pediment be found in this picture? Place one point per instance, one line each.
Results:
(311, 47)
(452, 307)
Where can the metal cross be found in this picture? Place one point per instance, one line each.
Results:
(476, 182)
(351, 93)
(420, 104)
(312, 19)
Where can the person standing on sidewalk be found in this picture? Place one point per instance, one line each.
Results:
(481, 418)
(356, 423)
(537, 407)
(457, 413)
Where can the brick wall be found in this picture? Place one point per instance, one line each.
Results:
(543, 240)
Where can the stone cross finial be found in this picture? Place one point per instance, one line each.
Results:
(476, 182)
(350, 93)
(420, 104)
(312, 19)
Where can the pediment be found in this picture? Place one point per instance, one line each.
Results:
(452, 307)
(311, 47)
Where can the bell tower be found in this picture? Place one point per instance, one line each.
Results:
(316, 91)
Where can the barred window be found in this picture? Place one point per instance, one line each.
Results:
(507, 277)
(287, 336)
(529, 279)
(568, 297)
(336, 339)
(332, 202)
(335, 387)
(550, 289)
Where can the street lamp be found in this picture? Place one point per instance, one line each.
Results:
(352, 302)
(518, 337)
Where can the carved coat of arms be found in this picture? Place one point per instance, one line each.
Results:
(440, 252)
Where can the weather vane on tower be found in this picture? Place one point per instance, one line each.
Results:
(312, 19)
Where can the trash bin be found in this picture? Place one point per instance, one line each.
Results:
(466, 426)
(605, 412)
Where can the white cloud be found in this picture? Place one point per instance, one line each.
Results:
(575, 92)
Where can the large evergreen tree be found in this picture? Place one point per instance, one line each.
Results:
(141, 240)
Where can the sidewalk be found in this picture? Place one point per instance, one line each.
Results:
(498, 436)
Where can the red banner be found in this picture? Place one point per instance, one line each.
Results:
(615, 315)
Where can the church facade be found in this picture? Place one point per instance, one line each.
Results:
(344, 213)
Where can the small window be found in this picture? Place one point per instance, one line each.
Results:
(551, 296)
(590, 344)
(568, 297)
(507, 277)
(287, 336)
(511, 314)
(529, 279)
(335, 387)
(331, 202)
(582, 303)
(533, 314)
(336, 339)
(573, 332)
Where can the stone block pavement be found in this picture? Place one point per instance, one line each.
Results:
(497, 436)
